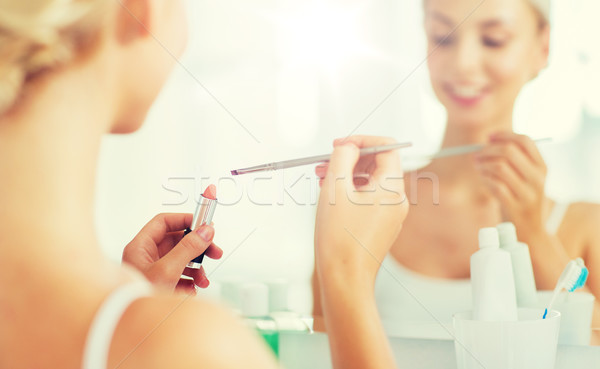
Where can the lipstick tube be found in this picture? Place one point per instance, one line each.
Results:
(203, 215)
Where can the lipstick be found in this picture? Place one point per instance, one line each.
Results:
(203, 215)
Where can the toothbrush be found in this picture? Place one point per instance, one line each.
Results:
(573, 277)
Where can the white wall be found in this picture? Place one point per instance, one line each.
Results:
(271, 80)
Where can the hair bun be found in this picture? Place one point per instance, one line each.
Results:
(40, 36)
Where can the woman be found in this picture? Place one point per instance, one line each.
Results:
(71, 71)
(480, 56)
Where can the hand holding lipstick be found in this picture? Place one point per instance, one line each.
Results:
(161, 252)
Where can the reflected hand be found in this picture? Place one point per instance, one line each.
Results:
(161, 252)
(514, 170)
(358, 218)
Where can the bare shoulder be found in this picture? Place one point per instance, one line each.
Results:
(581, 226)
(185, 332)
(584, 215)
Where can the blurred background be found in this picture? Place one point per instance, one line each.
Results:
(269, 80)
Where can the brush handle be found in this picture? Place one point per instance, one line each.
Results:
(554, 296)
(316, 159)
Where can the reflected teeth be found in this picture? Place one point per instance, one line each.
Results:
(466, 92)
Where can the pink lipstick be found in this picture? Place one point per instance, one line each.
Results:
(203, 215)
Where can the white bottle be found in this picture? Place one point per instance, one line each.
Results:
(521, 263)
(287, 320)
(231, 292)
(254, 298)
(492, 280)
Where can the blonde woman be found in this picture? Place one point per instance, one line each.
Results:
(71, 71)
(481, 55)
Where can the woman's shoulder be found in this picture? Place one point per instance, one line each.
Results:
(583, 213)
(581, 221)
(183, 331)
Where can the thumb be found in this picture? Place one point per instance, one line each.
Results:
(169, 268)
(343, 160)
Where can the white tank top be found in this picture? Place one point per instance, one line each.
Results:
(416, 305)
(97, 346)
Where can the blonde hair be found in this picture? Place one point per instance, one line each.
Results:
(38, 35)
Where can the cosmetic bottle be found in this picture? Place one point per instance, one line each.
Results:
(286, 319)
(231, 293)
(521, 264)
(255, 312)
(492, 280)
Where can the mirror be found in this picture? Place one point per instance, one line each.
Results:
(270, 80)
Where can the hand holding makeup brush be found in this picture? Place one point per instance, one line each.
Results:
(362, 205)
(515, 172)
(161, 252)
(357, 223)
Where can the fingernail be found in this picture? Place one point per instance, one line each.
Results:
(206, 233)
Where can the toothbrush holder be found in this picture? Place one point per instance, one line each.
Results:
(576, 310)
(527, 343)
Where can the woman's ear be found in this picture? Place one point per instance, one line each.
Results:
(133, 20)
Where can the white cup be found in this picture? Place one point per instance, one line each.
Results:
(576, 310)
(529, 343)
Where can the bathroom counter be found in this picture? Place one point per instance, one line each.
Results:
(301, 351)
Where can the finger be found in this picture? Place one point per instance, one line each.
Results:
(202, 281)
(186, 286)
(508, 151)
(214, 252)
(499, 190)
(361, 181)
(163, 223)
(173, 238)
(501, 171)
(170, 266)
(321, 170)
(169, 241)
(198, 275)
(341, 166)
(525, 143)
(366, 165)
(380, 165)
(363, 141)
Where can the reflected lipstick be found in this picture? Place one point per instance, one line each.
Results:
(203, 215)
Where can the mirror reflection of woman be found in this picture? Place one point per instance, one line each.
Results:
(479, 62)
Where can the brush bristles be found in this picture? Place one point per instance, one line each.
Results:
(576, 278)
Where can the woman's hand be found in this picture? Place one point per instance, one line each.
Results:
(161, 252)
(514, 170)
(361, 208)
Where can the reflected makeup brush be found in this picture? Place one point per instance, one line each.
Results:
(203, 215)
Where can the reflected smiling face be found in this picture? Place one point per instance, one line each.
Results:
(480, 59)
